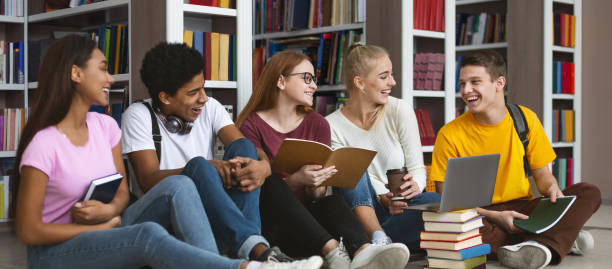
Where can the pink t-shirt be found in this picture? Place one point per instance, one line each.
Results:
(71, 168)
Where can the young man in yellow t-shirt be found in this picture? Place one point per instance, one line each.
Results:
(488, 128)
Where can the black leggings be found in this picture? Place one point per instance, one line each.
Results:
(302, 229)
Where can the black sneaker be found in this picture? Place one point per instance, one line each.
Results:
(274, 254)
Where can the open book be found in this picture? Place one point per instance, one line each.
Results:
(351, 163)
(104, 189)
(546, 214)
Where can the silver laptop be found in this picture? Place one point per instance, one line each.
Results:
(469, 182)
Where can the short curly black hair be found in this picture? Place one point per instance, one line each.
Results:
(168, 66)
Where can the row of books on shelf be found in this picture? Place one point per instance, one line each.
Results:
(212, 3)
(564, 30)
(326, 52)
(563, 125)
(483, 28)
(426, 131)
(11, 62)
(115, 106)
(563, 77)
(12, 122)
(4, 196)
(326, 104)
(288, 15)
(428, 15)
(113, 42)
(453, 239)
(218, 51)
(563, 171)
(11, 8)
(428, 71)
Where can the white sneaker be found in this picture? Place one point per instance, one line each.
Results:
(583, 243)
(313, 262)
(390, 256)
(526, 255)
(337, 258)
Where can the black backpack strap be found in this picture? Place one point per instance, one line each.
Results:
(520, 125)
(157, 138)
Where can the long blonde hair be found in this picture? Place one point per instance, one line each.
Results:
(358, 62)
(265, 94)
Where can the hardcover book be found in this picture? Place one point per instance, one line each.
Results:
(464, 254)
(103, 189)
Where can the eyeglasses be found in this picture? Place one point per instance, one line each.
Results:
(308, 77)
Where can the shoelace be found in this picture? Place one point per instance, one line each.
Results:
(342, 250)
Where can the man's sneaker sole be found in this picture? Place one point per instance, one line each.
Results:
(526, 255)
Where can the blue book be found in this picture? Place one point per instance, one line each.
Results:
(464, 254)
(104, 189)
(320, 56)
(558, 66)
(198, 42)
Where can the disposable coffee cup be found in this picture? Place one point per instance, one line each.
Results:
(395, 181)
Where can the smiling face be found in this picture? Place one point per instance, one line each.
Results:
(377, 83)
(293, 86)
(188, 101)
(93, 81)
(479, 91)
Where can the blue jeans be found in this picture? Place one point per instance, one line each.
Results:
(403, 228)
(141, 240)
(234, 215)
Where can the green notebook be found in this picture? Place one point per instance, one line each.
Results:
(546, 214)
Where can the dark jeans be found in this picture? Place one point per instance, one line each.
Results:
(302, 229)
(403, 228)
(234, 215)
(561, 236)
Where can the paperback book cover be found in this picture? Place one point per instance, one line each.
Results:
(546, 214)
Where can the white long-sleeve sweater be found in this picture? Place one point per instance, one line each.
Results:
(395, 138)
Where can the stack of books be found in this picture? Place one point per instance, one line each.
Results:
(453, 240)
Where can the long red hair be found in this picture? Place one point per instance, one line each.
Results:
(265, 94)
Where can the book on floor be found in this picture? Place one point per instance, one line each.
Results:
(457, 227)
(446, 236)
(350, 162)
(449, 245)
(546, 214)
(104, 189)
(463, 254)
(465, 264)
(452, 216)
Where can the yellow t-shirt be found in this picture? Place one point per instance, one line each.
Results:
(465, 136)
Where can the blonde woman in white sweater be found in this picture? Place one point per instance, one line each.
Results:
(372, 119)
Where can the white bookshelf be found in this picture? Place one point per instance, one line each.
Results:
(80, 10)
(7, 154)
(119, 79)
(11, 87)
(575, 99)
(472, 2)
(11, 19)
(181, 16)
(408, 36)
(498, 45)
(312, 31)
